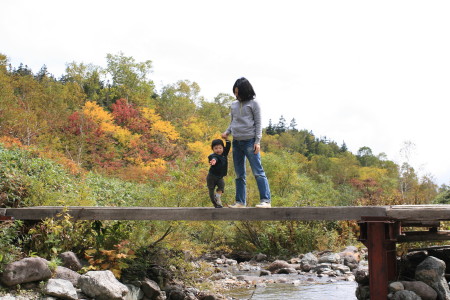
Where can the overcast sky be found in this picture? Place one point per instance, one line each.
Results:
(370, 73)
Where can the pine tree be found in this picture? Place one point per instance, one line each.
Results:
(293, 125)
(343, 147)
(281, 126)
(270, 130)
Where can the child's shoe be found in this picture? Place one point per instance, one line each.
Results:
(217, 202)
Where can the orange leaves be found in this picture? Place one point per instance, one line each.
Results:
(10, 142)
(110, 259)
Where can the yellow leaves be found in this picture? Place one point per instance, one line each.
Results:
(159, 126)
(156, 164)
(372, 173)
(200, 148)
(196, 128)
(97, 113)
(106, 122)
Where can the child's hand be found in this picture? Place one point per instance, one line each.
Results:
(212, 162)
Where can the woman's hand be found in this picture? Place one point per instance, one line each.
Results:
(225, 135)
(257, 147)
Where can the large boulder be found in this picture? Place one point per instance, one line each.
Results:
(421, 289)
(431, 271)
(409, 263)
(26, 270)
(102, 285)
(60, 288)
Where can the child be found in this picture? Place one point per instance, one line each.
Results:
(219, 166)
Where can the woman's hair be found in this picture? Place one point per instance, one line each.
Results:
(245, 89)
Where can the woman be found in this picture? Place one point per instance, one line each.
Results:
(245, 126)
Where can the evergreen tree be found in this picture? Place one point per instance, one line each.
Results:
(343, 147)
(293, 125)
(270, 130)
(281, 126)
(22, 70)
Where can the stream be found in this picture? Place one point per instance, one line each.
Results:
(340, 290)
(292, 286)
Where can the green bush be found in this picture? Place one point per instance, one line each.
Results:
(10, 242)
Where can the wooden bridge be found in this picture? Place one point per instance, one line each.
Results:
(381, 227)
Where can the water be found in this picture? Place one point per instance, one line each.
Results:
(340, 290)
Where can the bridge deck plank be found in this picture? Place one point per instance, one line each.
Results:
(398, 212)
(201, 213)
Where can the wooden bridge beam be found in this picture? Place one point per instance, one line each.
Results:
(199, 213)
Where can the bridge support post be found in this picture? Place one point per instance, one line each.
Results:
(379, 235)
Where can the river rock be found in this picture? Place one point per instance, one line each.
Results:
(218, 276)
(230, 262)
(287, 271)
(409, 263)
(265, 273)
(431, 271)
(421, 289)
(362, 292)
(150, 289)
(102, 285)
(60, 288)
(341, 268)
(260, 257)
(396, 286)
(26, 270)
(308, 262)
(350, 257)
(323, 267)
(278, 264)
(361, 275)
(405, 295)
(175, 292)
(67, 274)
(331, 258)
(70, 261)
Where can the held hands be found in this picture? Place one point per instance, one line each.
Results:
(212, 162)
(257, 148)
(225, 135)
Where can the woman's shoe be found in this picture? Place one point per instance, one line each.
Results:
(263, 205)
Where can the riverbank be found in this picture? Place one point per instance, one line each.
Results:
(226, 277)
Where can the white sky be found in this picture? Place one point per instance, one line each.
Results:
(370, 73)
